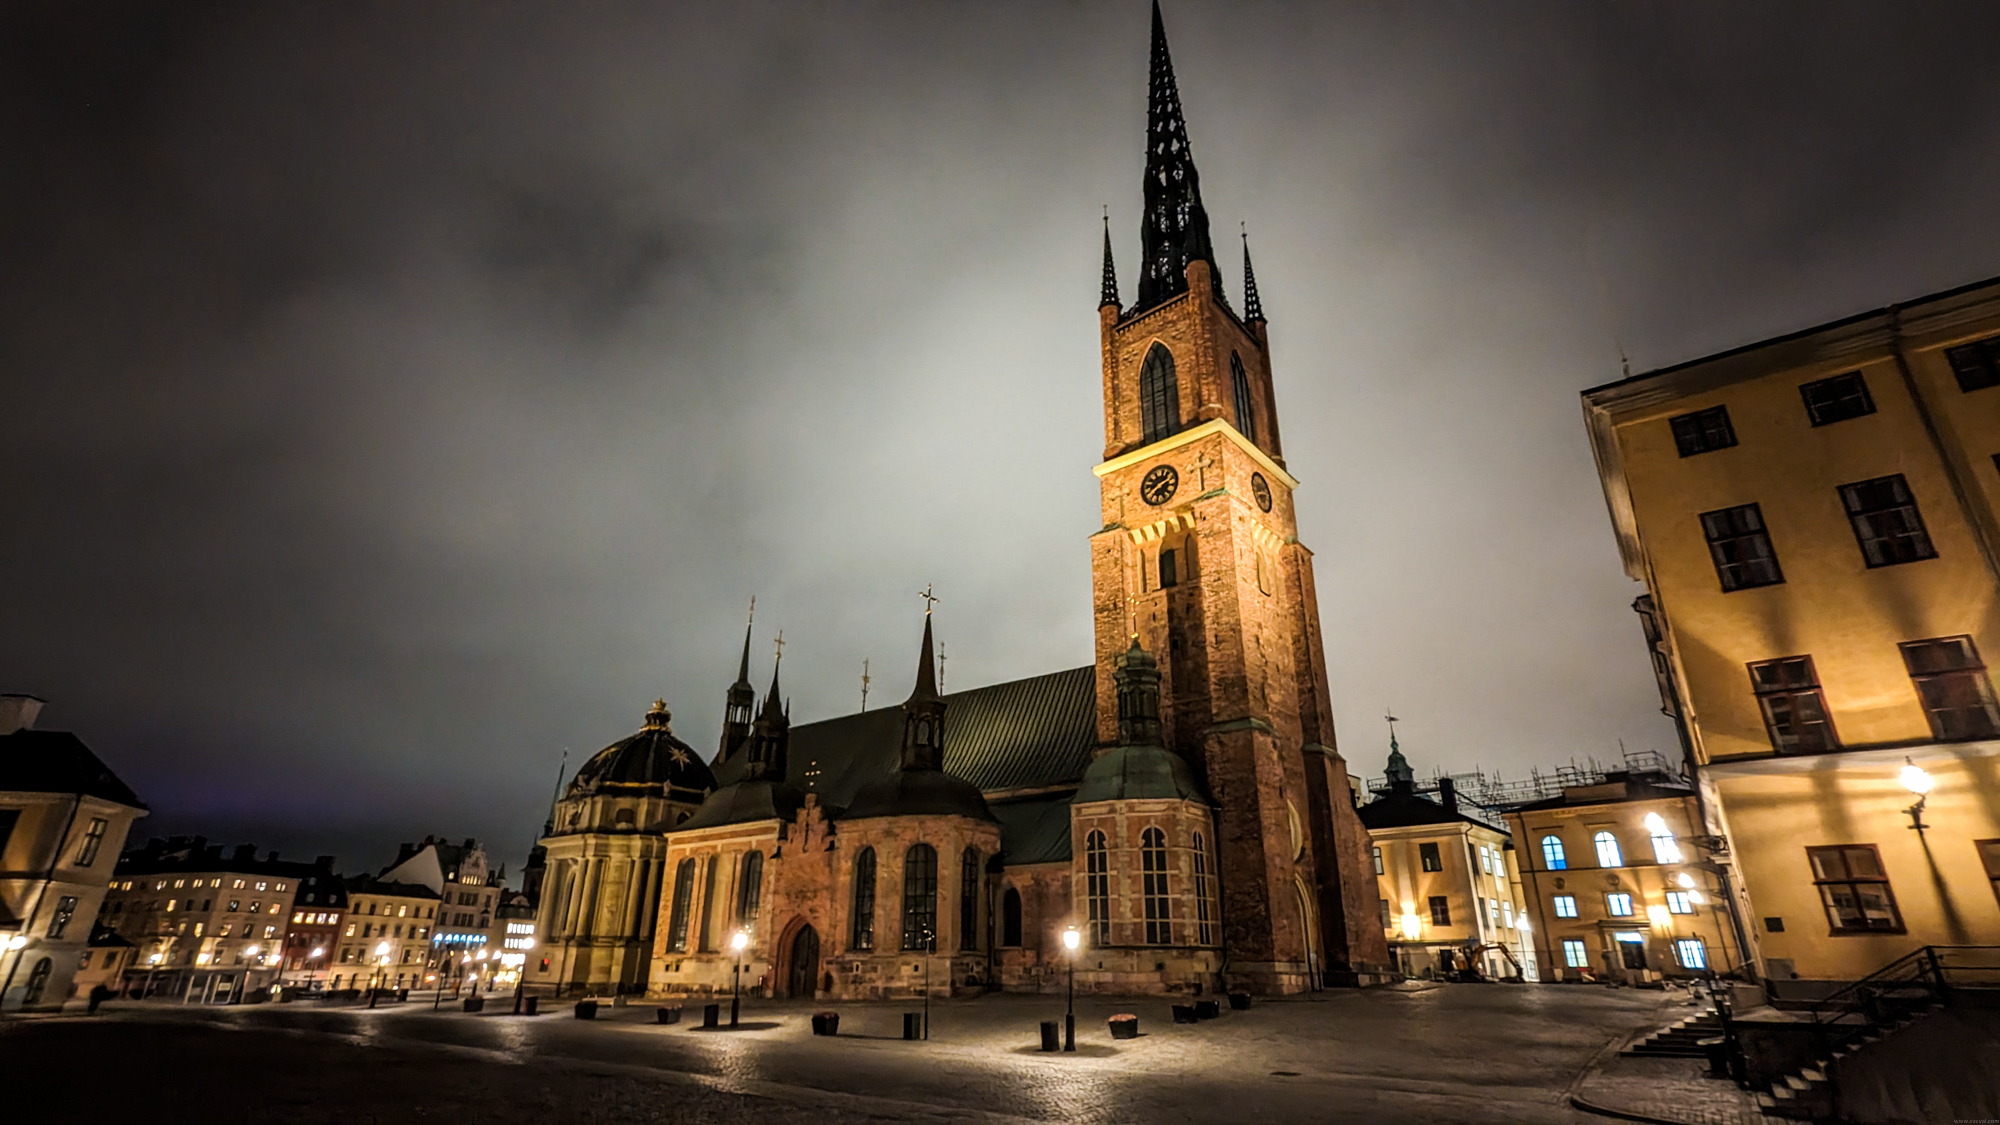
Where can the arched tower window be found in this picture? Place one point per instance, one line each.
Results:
(1204, 928)
(750, 888)
(1097, 887)
(1159, 395)
(1010, 918)
(862, 929)
(677, 929)
(1153, 867)
(1246, 417)
(1552, 853)
(1608, 854)
(968, 899)
(920, 898)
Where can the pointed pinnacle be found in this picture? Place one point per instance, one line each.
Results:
(1253, 305)
(1108, 291)
(926, 668)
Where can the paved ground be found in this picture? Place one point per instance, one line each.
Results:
(1484, 1053)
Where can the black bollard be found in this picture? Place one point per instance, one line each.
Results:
(1051, 1036)
(711, 1015)
(913, 1025)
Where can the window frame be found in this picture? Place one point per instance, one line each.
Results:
(1983, 359)
(1440, 910)
(1913, 543)
(1599, 839)
(920, 895)
(1563, 906)
(93, 841)
(861, 925)
(970, 867)
(1726, 531)
(1159, 395)
(1153, 882)
(1678, 902)
(1246, 404)
(1553, 854)
(749, 888)
(1204, 923)
(1932, 683)
(1827, 410)
(1682, 945)
(1695, 432)
(1429, 856)
(1097, 886)
(683, 906)
(1576, 953)
(1616, 899)
(1825, 887)
(1787, 730)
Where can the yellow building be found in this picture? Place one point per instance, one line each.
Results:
(1814, 518)
(1451, 892)
(387, 940)
(1616, 881)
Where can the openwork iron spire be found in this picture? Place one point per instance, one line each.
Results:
(1253, 306)
(1108, 293)
(923, 712)
(1174, 230)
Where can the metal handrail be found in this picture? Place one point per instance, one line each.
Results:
(1927, 967)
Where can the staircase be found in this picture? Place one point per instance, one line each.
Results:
(1807, 1094)
(1680, 1040)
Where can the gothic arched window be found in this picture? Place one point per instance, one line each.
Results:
(1205, 929)
(968, 899)
(1097, 887)
(1552, 853)
(1608, 854)
(711, 888)
(677, 930)
(750, 888)
(1153, 866)
(1010, 918)
(862, 929)
(1246, 416)
(1159, 395)
(920, 898)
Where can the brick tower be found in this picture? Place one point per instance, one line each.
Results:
(1199, 558)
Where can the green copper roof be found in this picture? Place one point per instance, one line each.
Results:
(1138, 773)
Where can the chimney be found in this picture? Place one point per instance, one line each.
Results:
(18, 712)
(1447, 794)
(245, 853)
(271, 856)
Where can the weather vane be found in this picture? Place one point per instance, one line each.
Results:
(929, 599)
(864, 683)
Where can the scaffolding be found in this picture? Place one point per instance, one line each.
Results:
(1489, 797)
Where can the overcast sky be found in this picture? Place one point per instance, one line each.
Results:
(395, 395)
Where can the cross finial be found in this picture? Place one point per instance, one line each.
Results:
(929, 598)
(864, 683)
(753, 609)
(1200, 466)
(780, 643)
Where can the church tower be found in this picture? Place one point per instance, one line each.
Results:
(1199, 559)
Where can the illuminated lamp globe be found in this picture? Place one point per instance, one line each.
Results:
(739, 941)
(1915, 778)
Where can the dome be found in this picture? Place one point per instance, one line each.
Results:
(745, 801)
(1139, 773)
(919, 793)
(652, 759)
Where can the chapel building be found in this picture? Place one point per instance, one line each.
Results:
(1178, 802)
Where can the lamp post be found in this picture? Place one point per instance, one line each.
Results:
(1918, 781)
(1072, 941)
(738, 941)
(521, 977)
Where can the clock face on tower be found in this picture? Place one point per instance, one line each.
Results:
(1260, 490)
(1159, 485)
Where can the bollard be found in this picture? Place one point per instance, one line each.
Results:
(1207, 1009)
(670, 1014)
(475, 1004)
(586, 1009)
(1051, 1036)
(1239, 1001)
(1184, 1013)
(826, 1023)
(533, 1003)
(711, 1015)
(913, 1025)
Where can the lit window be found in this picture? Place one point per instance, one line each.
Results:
(93, 839)
(1574, 955)
(1565, 906)
(1691, 953)
(1608, 854)
(1618, 906)
(1378, 861)
(1097, 887)
(1665, 848)
(261, 885)
(1440, 911)
(237, 885)
(1886, 521)
(1677, 903)
(1153, 864)
(65, 910)
(1552, 853)
(920, 887)
(179, 883)
(1507, 914)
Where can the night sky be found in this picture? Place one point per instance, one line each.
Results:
(395, 395)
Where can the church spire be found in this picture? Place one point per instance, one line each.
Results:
(923, 712)
(741, 699)
(1108, 292)
(1174, 230)
(1253, 306)
(771, 733)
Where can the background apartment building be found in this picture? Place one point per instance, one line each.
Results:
(1815, 518)
(64, 816)
(1445, 871)
(386, 942)
(208, 923)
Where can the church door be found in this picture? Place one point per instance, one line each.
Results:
(805, 964)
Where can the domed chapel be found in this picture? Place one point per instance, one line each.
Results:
(1179, 801)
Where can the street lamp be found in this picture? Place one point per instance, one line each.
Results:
(1072, 941)
(521, 978)
(1918, 781)
(738, 942)
(13, 945)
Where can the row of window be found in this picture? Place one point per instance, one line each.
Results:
(1690, 953)
(87, 848)
(1499, 913)
(1620, 905)
(1836, 399)
(1156, 894)
(373, 929)
(1666, 848)
(1951, 683)
(1882, 513)
(181, 883)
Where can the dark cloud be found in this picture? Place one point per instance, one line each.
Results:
(396, 396)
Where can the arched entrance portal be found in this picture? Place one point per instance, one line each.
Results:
(803, 979)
